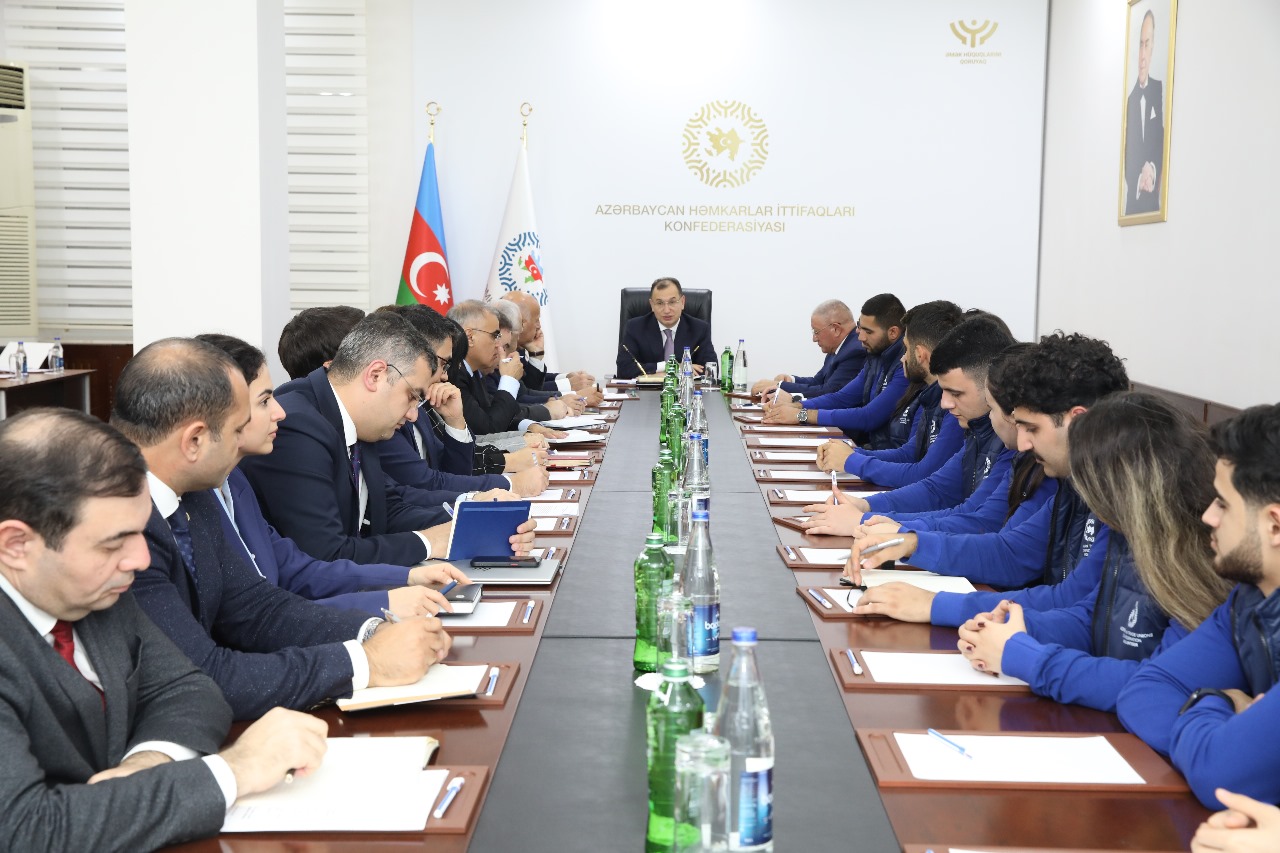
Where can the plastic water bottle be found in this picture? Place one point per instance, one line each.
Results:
(726, 369)
(698, 424)
(686, 362)
(652, 568)
(21, 370)
(742, 718)
(675, 709)
(701, 583)
(697, 480)
(686, 389)
(57, 364)
(740, 367)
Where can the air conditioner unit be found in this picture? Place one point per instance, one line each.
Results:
(17, 207)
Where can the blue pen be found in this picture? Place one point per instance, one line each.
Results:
(448, 508)
(853, 662)
(455, 785)
(447, 588)
(818, 597)
(957, 747)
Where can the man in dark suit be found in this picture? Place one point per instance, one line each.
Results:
(833, 331)
(664, 331)
(499, 411)
(90, 689)
(185, 404)
(338, 583)
(532, 350)
(1144, 130)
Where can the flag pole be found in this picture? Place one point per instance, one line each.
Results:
(525, 109)
(433, 110)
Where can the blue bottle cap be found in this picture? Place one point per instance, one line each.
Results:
(695, 436)
(697, 393)
(744, 635)
(700, 515)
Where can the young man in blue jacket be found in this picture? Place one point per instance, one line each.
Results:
(1211, 702)
(864, 407)
(925, 435)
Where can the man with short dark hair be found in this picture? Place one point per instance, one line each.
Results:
(90, 689)
(864, 407)
(311, 338)
(648, 340)
(1210, 703)
(263, 645)
(834, 331)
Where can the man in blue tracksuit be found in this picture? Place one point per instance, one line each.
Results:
(864, 407)
(924, 437)
(1211, 703)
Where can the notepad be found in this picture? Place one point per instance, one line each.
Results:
(573, 421)
(813, 496)
(794, 442)
(819, 476)
(612, 396)
(485, 528)
(554, 509)
(930, 668)
(925, 580)
(789, 456)
(442, 681)
(797, 428)
(566, 476)
(488, 614)
(338, 796)
(550, 495)
(1021, 759)
(825, 555)
(574, 436)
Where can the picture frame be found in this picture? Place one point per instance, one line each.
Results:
(1146, 114)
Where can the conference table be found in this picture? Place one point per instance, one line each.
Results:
(561, 762)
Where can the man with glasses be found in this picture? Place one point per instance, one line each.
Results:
(664, 331)
(323, 486)
(833, 328)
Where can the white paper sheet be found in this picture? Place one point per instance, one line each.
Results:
(545, 524)
(814, 476)
(930, 668)
(1013, 758)
(924, 580)
(564, 476)
(574, 436)
(789, 456)
(809, 496)
(440, 679)
(488, 614)
(617, 395)
(549, 495)
(771, 441)
(574, 421)
(795, 428)
(338, 796)
(550, 509)
(825, 555)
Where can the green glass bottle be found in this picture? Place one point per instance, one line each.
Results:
(650, 571)
(675, 438)
(675, 709)
(726, 370)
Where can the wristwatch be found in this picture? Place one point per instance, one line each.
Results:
(1200, 693)
(802, 416)
(533, 354)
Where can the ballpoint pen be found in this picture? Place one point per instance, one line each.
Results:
(493, 680)
(564, 523)
(448, 588)
(389, 616)
(888, 543)
(778, 494)
(853, 662)
(949, 742)
(455, 785)
(818, 598)
(636, 360)
(528, 611)
(791, 555)
(551, 552)
(573, 493)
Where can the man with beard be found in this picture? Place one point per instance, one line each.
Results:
(865, 407)
(1210, 703)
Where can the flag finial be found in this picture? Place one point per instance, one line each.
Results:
(525, 109)
(433, 110)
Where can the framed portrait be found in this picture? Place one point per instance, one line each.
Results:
(1147, 119)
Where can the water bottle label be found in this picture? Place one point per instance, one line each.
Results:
(704, 630)
(755, 803)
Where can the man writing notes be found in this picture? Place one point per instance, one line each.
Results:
(649, 339)
(102, 720)
(834, 331)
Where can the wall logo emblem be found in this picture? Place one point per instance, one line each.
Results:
(725, 144)
(972, 33)
(520, 267)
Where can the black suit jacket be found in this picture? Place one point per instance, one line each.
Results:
(1143, 143)
(305, 490)
(55, 734)
(264, 646)
(644, 340)
(489, 412)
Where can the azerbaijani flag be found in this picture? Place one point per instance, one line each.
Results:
(425, 275)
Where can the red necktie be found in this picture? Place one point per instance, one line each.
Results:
(64, 643)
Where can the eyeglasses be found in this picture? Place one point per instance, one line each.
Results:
(417, 395)
(822, 329)
(495, 334)
(670, 303)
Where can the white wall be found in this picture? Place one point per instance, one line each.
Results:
(1192, 303)
(864, 107)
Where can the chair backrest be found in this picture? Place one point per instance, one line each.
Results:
(635, 303)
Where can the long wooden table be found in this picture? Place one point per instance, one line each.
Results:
(566, 753)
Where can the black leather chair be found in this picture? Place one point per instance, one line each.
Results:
(635, 303)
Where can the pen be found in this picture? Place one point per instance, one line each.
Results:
(528, 611)
(448, 588)
(791, 555)
(389, 616)
(573, 493)
(550, 553)
(455, 785)
(778, 493)
(636, 360)
(888, 543)
(493, 680)
(288, 777)
(833, 482)
(957, 747)
(564, 523)
(448, 508)
(853, 662)
(818, 598)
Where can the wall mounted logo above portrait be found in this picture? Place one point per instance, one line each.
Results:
(725, 144)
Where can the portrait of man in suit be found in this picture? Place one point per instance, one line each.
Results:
(1143, 180)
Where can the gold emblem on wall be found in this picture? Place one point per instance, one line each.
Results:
(973, 33)
(725, 144)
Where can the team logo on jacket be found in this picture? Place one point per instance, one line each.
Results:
(1133, 615)
(725, 144)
